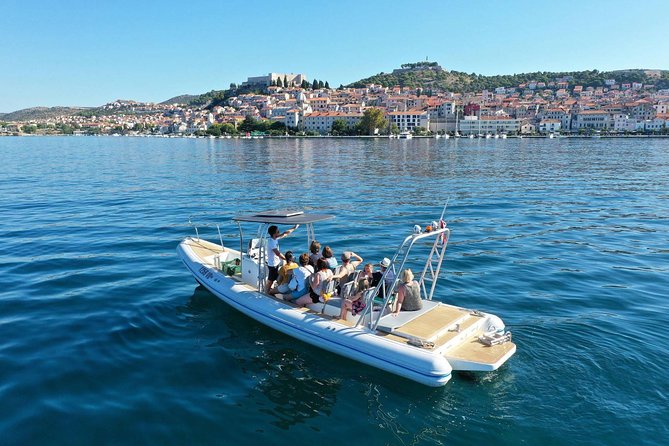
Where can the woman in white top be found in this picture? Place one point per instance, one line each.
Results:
(299, 284)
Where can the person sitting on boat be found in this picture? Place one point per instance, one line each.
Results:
(274, 255)
(329, 257)
(355, 304)
(315, 250)
(390, 277)
(367, 273)
(322, 275)
(408, 295)
(299, 284)
(347, 267)
(285, 274)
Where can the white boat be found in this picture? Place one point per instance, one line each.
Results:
(424, 346)
(405, 135)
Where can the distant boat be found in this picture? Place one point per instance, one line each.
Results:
(446, 135)
(503, 135)
(405, 135)
(551, 136)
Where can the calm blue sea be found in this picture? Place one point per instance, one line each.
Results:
(105, 338)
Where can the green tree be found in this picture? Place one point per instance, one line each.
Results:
(321, 84)
(228, 129)
(305, 84)
(277, 125)
(214, 130)
(248, 125)
(339, 127)
(233, 86)
(29, 129)
(285, 81)
(327, 85)
(372, 119)
(314, 85)
(341, 87)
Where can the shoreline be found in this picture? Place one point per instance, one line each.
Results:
(610, 136)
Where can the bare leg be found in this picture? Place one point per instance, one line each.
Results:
(304, 300)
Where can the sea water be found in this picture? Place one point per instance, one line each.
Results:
(106, 339)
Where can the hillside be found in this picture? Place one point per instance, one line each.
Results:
(429, 78)
(28, 114)
(181, 99)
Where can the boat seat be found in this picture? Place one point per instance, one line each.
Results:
(389, 323)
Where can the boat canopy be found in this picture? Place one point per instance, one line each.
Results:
(282, 216)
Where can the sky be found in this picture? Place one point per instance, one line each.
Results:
(88, 53)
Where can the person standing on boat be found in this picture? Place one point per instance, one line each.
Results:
(274, 256)
(408, 295)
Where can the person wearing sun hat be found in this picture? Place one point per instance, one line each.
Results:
(390, 277)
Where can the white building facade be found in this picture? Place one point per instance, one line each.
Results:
(409, 120)
(321, 122)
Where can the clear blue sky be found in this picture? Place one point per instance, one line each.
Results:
(88, 53)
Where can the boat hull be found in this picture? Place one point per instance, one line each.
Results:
(357, 343)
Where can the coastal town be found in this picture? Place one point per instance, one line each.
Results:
(287, 104)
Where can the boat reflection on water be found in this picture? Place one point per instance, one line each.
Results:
(282, 382)
(294, 393)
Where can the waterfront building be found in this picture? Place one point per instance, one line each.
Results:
(591, 119)
(321, 122)
(550, 126)
(473, 125)
(656, 124)
(410, 119)
(558, 114)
